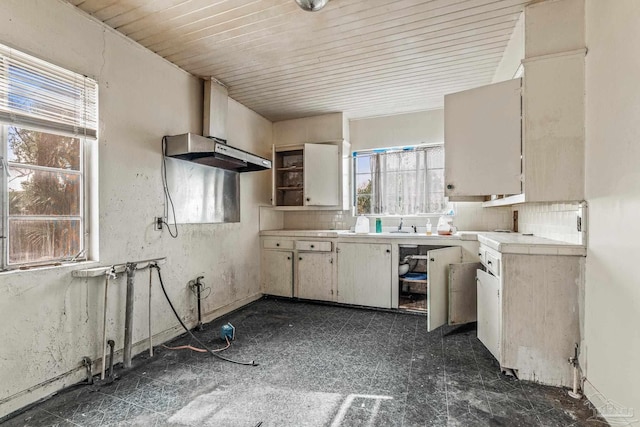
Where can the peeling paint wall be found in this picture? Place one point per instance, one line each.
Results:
(49, 320)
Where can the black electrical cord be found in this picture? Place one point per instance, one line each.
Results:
(252, 363)
(167, 195)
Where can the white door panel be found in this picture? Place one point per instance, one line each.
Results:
(438, 288)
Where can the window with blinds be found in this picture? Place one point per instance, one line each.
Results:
(405, 181)
(47, 116)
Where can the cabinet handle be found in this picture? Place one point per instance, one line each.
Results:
(450, 187)
(432, 259)
(312, 246)
(288, 257)
(277, 244)
(388, 250)
(479, 253)
(308, 199)
(299, 258)
(489, 262)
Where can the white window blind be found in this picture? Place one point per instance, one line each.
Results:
(39, 95)
(408, 181)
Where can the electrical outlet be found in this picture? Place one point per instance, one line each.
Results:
(157, 223)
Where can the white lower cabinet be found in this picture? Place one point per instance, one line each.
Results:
(315, 276)
(451, 290)
(298, 268)
(277, 273)
(528, 313)
(364, 274)
(489, 315)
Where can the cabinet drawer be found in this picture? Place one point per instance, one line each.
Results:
(302, 245)
(482, 254)
(492, 263)
(277, 244)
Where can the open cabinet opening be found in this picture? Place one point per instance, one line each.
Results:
(413, 281)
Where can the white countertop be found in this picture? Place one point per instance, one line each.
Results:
(509, 243)
(515, 243)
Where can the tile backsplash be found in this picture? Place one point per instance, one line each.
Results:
(468, 216)
(557, 221)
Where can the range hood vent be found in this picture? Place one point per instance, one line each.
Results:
(212, 149)
(213, 152)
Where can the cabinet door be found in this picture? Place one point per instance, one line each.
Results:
(321, 175)
(489, 318)
(554, 132)
(463, 293)
(482, 140)
(315, 276)
(364, 274)
(438, 286)
(277, 273)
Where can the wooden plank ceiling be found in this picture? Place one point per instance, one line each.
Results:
(361, 57)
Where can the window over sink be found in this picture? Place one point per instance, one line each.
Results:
(400, 181)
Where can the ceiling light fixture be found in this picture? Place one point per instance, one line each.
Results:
(312, 5)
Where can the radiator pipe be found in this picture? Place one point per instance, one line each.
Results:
(198, 286)
(150, 333)
(112, 345)
(573, 361)
(110, 274)
(88, 364)
(128, 315)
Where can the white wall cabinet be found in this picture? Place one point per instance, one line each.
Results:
(364, 274)
(311, 176)
(528, 313)
(553, 104)
(325, 127)
(482, 129)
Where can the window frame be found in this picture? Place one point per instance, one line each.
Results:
(374, 151)
(81, 217)
(85, 129)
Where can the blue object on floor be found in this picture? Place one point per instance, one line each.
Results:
(415, 276)
(227, 331)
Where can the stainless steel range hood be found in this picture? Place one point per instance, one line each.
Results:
(212, 149)
(213, 152)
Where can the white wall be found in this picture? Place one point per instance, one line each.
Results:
(49, 320)
(613, 193)
(401, 129)
(513, 54)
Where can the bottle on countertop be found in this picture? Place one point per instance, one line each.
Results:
(428, 227)
(362, 225)
(378, 225)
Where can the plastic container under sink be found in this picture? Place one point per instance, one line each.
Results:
(415, 276)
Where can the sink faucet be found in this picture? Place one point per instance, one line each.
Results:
(400, 226)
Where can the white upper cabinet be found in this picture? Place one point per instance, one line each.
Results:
(311, 167)
(480, 160)
(322, 175)
(326, 127)
(311, 176)
(482, 134)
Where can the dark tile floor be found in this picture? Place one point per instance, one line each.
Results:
(320, 365)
